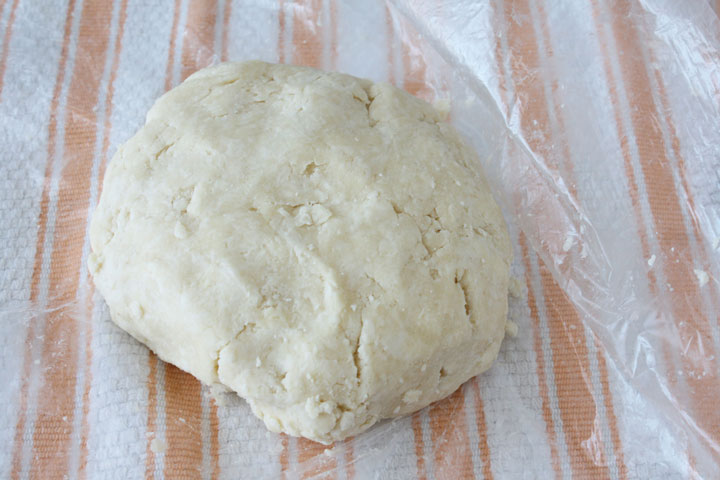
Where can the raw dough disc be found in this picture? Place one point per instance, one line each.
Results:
(325, 246)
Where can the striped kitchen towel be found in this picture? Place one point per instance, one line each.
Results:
(598, 120)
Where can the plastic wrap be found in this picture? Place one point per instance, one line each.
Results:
(597, 124)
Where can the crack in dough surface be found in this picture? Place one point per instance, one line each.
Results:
(325, 246)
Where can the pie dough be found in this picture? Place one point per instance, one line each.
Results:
(325, 246)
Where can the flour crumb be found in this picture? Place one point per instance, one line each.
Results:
(511, 328)
(702, 277)
(157, 446)
(443, 107)
(716, 243)
(651, 260)
(181, 230)
(568, 243)
(515, 288)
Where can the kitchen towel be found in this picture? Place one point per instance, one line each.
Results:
(598, 122)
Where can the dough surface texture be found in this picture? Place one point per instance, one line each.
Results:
(325, 246)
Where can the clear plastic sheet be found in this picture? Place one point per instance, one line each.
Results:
(597, 123)
(656, 314)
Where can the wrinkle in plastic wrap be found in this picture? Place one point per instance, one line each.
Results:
(597, 126)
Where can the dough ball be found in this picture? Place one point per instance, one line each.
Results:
(325, 246)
